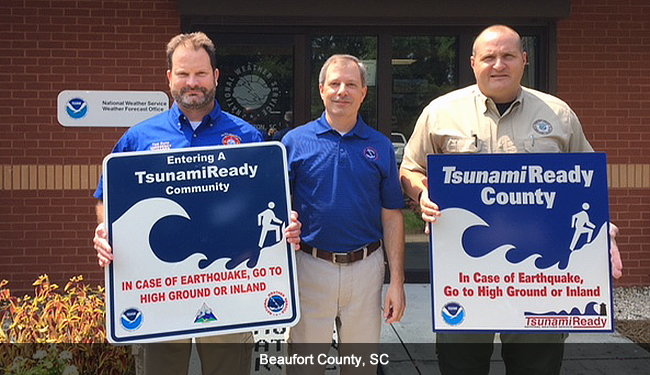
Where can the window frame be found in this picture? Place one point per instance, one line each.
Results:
(301, 37)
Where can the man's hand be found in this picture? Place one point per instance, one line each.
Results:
(104, 251)
(395, 303)
(617, 264)
(392, 222)
(415, 184)
(430, 211)
(292, 232)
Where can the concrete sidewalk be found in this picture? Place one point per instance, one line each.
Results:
(410, 346)
(585, 353)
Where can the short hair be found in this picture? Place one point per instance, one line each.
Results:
(495, 28)
(196, 40)
(334, 58)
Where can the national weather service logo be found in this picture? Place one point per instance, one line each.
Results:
(276, 303)
(230, 139)
(76, 108)
(542, 127)
(251, 92)
(370, 153)
(131, 319)
(453, 313)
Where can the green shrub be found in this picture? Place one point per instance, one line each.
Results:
(413, 223)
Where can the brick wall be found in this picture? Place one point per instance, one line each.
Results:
(48, 172)
(603, 73)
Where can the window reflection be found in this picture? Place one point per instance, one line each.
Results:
(256, 84)
(424, 67)
(530, 46)
(363, 47)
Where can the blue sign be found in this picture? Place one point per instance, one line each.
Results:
(198, 239)
(522, 243)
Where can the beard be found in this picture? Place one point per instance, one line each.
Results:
(191, 102)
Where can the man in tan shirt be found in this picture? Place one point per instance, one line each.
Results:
(497, 115)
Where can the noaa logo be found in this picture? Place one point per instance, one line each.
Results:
(131, 319)
(453, 313)
(276, 303)
(230, 139)
(370, 153)
(76, 108)
(542, 127)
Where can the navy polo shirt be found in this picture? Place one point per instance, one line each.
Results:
(171, 129)
(340, 183)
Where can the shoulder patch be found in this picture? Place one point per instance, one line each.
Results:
(370, 153)
(230, 139)
(542, 127)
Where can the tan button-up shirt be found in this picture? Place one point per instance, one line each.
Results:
(466, 121)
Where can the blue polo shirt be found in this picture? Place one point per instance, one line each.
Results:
(340, 183)
(171, 129)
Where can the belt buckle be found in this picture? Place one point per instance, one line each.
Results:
(334, 255)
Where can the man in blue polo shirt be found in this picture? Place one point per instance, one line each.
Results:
(345, 186)
(195, 119)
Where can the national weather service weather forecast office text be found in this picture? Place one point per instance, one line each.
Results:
(133, 106)
(206, 172)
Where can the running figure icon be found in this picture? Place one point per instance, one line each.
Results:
(269, 222)
(580, 221)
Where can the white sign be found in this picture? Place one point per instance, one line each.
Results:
(522, 244)
(109, 108)
(198, 238)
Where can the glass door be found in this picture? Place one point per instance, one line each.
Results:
(256, 79)
(363, 47)
(271, 80)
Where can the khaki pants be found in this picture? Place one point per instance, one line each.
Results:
(223, 354)
(348, 295)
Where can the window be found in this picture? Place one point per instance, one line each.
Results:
(424, 67)
(256, 80)
(363, 47)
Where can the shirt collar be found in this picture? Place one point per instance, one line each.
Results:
(177, 114)
(483, 100)
(360, 128)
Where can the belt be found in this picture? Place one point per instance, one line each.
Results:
(347, 257)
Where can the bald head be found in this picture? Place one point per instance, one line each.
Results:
(498, 61)
(497, 29)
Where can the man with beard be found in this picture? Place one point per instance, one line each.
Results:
(195, 119)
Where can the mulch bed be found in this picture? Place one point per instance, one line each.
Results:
(635, 330)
